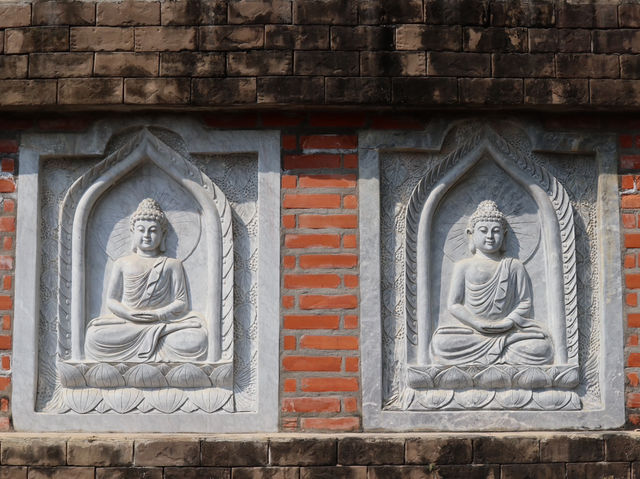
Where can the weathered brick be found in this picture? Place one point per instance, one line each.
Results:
(161, 91)
(502, 40)
(197, 473)
(491, 91)
(223, 91)
(36, 39)
(165, 39)
(566, 448)
(171, 452)
(298, 90)
(265, 472)
(27, 92)
(537, 471)
(101, 39)
(126, 64)
(13, 472)
(96, 452)
(459, 64)
(89, 91)
(228, 37)
(457, 12)
(328, 424)
(259, 11)
(194, 12)
(33, 452)
(64, 13)
(325, 12)
(629, 15)
(302, 452)
(128, 473)
(366, 451)
(584, 15)
(128, 13)
(259, 62)
(55, 65)
(325, 63)
(604, 470)
(429, 37)
(235, 453)
(13, 66)
(424, 91)
(311, 404)
(622, 448)
(310, 363)
(488, 450)
(427, 472)
(522, 14)
(431, 450)
(630, 66)
(313, 37)
(551, 91)
(15, 15)
(362, 38)
(392, 64)
(587, 65)
(326, 221)
(616, 41)
(523, 65)
(311, 201)
(61, 473)
(384, 12)
(337, 472)
(614, 92)
(193, 64)
(559, 40)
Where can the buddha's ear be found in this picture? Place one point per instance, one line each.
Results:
(472, 246)
(133, 244)
(163, 243)
(503, 246)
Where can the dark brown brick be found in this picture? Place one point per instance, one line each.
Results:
(192, 64)
(101, 39)
(523, 14)
(94, 452)
(614, 93)
(235, 453)
(584, 15)
(616, 41)
(61, 473)
(89, 91)
(27, 92)
(223, 91)
(197, 473)
(231, 37)
(587, 65)
(338, 472)
(56, 65)
(448, 450)
(296, 37)
(194, 12)
(502, 40)
(559, 40)
(441, 472)
(429, 37)
(622, 447)
(488, 450)
(359, 90)
(458, 64)
(259, 62)
(293, 90)
(572, 449)
(629, 15)
(159, 452)
(424, 91)
(325, 63)
(522, 65)
(13, 66)
(491, 91)
(630, 67)
(302, 452)
(260, 11)
(129, 473)
(551, 91)
(361, 451)
(161, 91)
(128, 13)
(31, 452)
(392, 64)
(532, 471)
(362, 38)
(64, 13)
(13, 472)
(15, 15)
(325, 12)
(457, 12)
(599, 470)
(126, 64)
(265, 473)
(375, 12)
(36, 39)
(151, 39)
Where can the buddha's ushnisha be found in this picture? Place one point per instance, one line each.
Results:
(149, 317)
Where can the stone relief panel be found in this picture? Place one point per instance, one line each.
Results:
(490, 282)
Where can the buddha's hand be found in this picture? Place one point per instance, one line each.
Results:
(146, 316)
(494, 327)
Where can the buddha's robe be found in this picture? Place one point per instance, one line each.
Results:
(112, 338)
(506, 293)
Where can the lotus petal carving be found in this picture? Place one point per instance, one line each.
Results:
(188, 406)
(102, 407)
(122, 400)
(474, 398)
(513, 398)
(145, 376)
(492, 378)
(210, 399)
(70, 376)
(453, 378)
(567, 379)
(552, 399)
(82, 400)
(187, 376)
(222, 376)
(532, 378)
(145, 406)
(419, 378)
(434, 398)
(104, 375)
(166, 400)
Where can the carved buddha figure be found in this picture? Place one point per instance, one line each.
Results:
(147, 297)
(490, 297)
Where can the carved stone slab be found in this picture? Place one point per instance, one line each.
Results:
(147, 308)
(485, 283)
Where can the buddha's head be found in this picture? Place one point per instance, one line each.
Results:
(149, 226)
(487, 229)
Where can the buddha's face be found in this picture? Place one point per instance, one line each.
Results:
(488, 236)
(147, 235)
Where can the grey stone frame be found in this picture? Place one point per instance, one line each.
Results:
(603, 147)
(199, 139)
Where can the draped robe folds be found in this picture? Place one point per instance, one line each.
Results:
(113, 338)
(506, 294)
